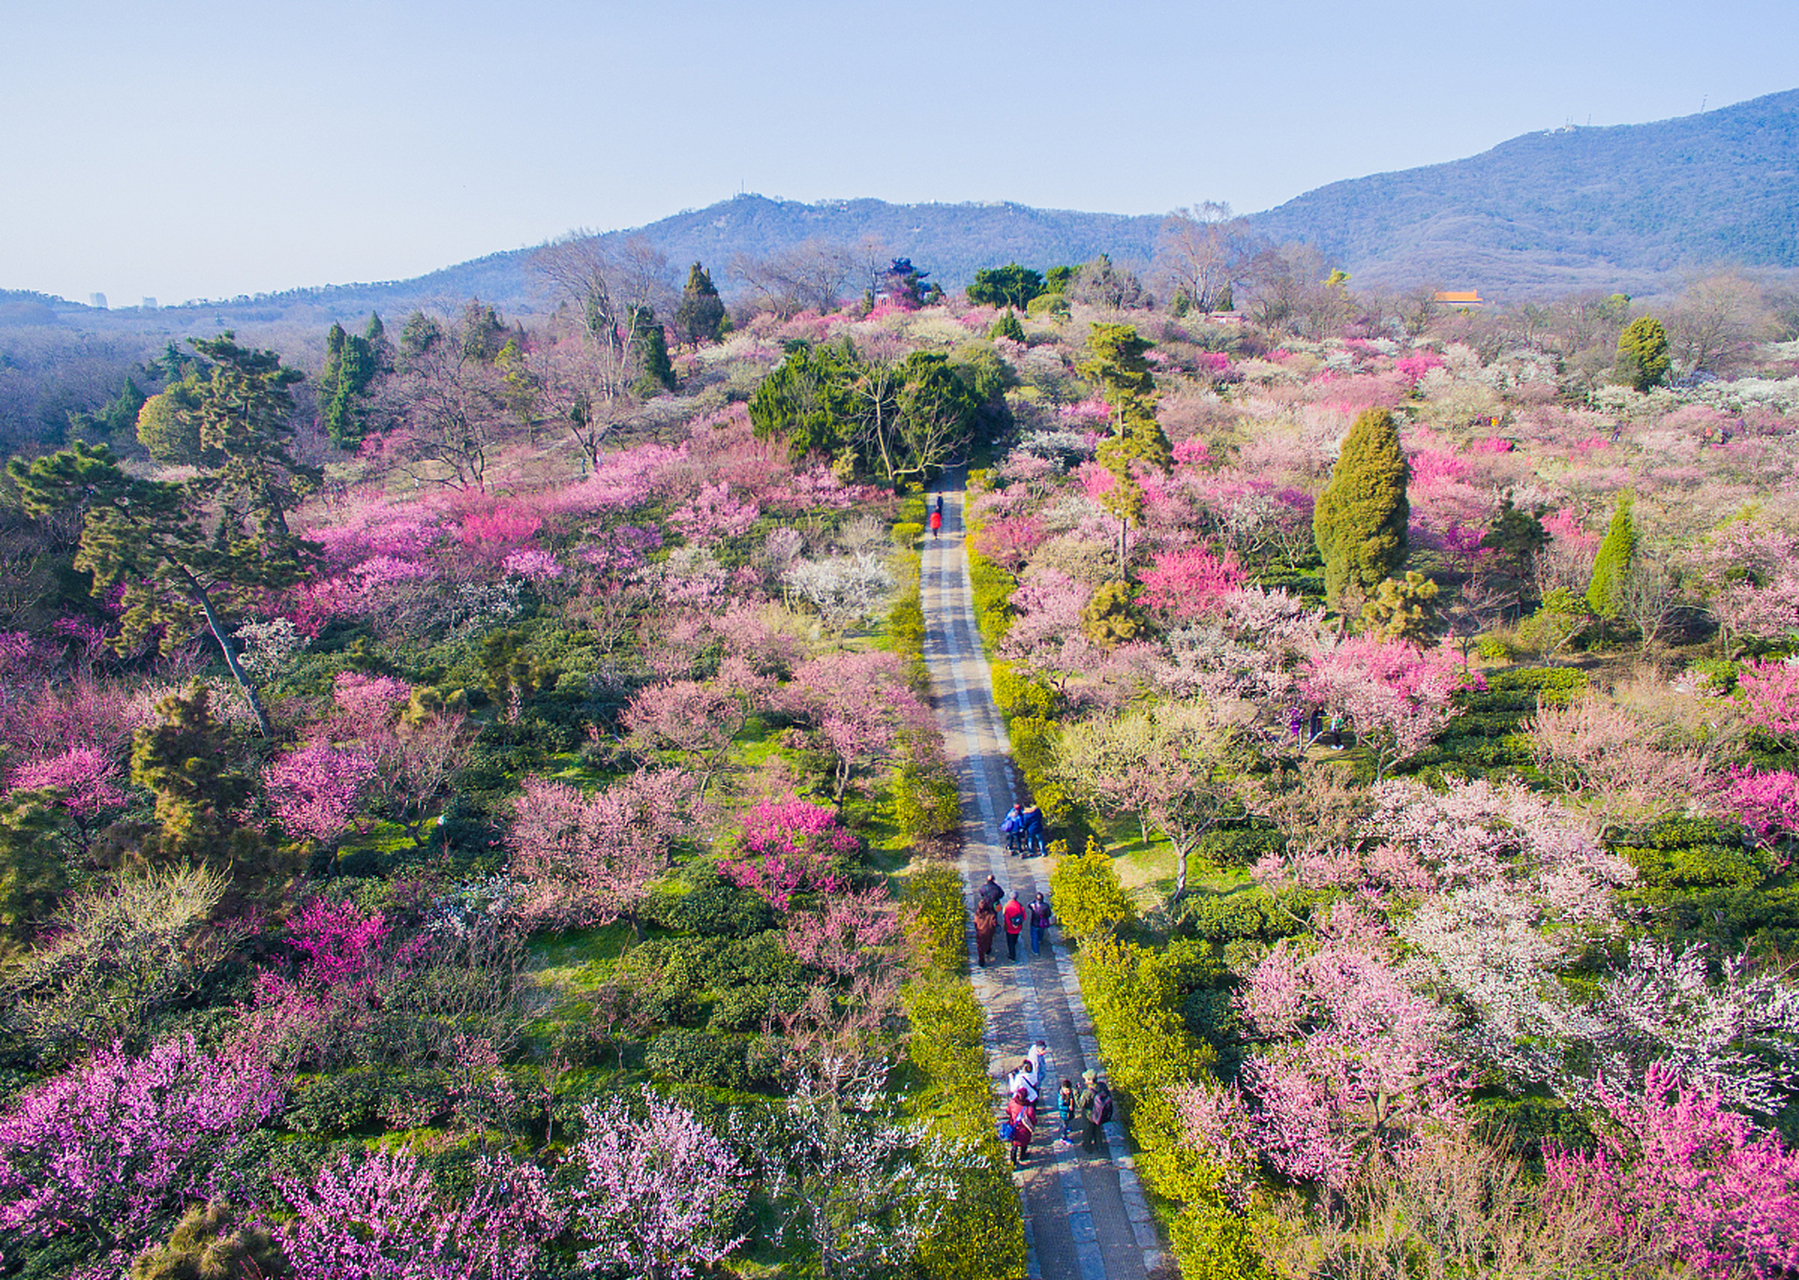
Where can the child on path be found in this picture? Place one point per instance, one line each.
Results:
(1012, 827)
(1065, 1108)
(1014, 918)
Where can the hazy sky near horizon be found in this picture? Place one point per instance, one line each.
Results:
(207, 148)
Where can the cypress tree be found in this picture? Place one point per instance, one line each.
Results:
(654, 372)
(701, 315)
(1359, 523)
(1613, 561)
(1007, 326)
(1643, 359)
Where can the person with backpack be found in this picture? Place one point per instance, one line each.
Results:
(1012, 827)
(1097, 1110)
(1021, 1114)
(1022, 1083)
(1014, 922)
(992, 893)
(1033, 832)
(1040, 920)
(986, 924)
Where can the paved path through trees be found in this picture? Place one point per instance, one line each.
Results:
(1085, 1216)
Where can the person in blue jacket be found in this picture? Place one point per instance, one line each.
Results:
(1034, 842)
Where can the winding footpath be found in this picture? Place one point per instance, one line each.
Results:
(1085, 1216)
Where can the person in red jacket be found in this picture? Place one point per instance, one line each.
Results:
(1014, 921)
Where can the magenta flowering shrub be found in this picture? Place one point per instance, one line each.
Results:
(315, 791)
(1769, 692)
(1768, 802)
(786, 847)
(341, 942)
(111, 1151)
(1185, 584)
(1685, 1179)
(500, 528)
(87, 777)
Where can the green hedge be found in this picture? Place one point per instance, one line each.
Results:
(1090, 902)
(932, 899)
(980, 1235)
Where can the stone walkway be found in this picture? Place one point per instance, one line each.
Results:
(1085, 1216)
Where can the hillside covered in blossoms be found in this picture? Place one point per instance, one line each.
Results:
(476, 800)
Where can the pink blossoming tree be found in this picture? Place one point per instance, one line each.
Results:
(381, 1216)
(658, 1193)
(111, 1151)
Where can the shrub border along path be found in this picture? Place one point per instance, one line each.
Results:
(1085, 1217)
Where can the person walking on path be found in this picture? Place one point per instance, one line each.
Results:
(1022, 1083)
(1033, 832)
(1040, 919)
(1014, 919)
(986, 923)
(936, 522)
(1037, 1059)
(1012, 827)
(992, 893)
(1094, 1105)
(1022, 1112)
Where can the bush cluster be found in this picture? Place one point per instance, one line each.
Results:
(980, 1235)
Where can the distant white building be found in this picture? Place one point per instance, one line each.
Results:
(149, 304)
(97, 301)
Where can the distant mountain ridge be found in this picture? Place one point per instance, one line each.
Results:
(1604, 206)
(1623, 206)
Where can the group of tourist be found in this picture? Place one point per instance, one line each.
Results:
(991, 918)
(1084, 1110)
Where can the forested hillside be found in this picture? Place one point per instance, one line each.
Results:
(1615, 207)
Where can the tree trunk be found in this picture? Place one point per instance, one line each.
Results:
(203, 598)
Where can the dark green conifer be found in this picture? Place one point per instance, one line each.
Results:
(1643, 359)
(1612, 563)
(1007, 326)
(1359, 523)
(654, 372)
(701, 315)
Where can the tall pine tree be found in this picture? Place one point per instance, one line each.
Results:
(1359, 523)
(1115, 362)
(187, 551)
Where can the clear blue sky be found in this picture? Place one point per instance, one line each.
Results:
(199, 148)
